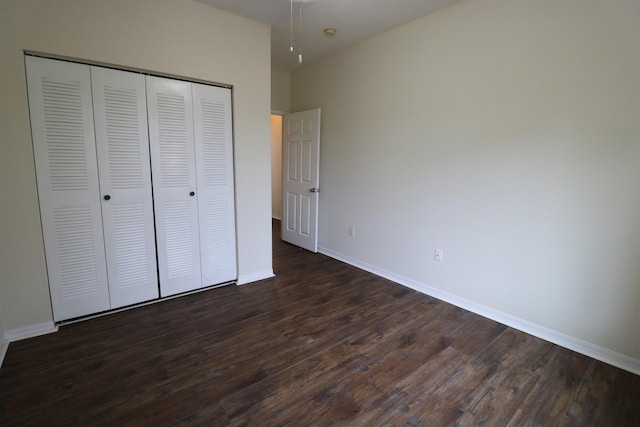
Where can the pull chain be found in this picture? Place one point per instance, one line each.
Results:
(291, 28)
(300, 49)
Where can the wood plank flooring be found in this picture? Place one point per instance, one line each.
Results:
(321, 344)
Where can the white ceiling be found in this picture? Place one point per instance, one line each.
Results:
(354, 20)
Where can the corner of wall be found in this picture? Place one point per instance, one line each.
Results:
(4, 346)
(244, 279)
(280, 90)
(30, 331)
(4, 342)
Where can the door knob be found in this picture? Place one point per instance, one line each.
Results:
(192, 193)
(314, 190)
(107, 197)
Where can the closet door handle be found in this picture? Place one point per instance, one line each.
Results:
(107, 197)
(193, 193)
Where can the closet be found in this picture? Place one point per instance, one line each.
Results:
(135, 184)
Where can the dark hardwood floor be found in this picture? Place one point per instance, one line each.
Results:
(322, 344)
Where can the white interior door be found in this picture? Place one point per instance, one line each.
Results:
(300, 178)
(170, 108)
(66, 169)
(122, 141)
(214, 167)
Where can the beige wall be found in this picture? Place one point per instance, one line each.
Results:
(177, 37)
(280, 90)
(506, 133)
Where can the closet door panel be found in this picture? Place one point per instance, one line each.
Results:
(122, 140)
(174, 184)
(64, 150)
(214, 165)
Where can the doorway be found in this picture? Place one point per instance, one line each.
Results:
(276, 166)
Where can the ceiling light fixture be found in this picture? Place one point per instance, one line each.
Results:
(329, 32)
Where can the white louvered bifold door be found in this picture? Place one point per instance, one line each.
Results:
(174, 184)
(122, 141)
(68, 191)
(214, 165)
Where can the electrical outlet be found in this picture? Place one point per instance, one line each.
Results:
(352, 231)
(438, 255)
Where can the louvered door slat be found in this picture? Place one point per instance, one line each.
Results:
(66, 170)
(178, 227)
(120, 112)
(214, 161)
(174, 180)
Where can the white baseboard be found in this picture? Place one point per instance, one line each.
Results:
(24, 333)
(30, 331)
(243, 279)
(572, 343)
(4, 345)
